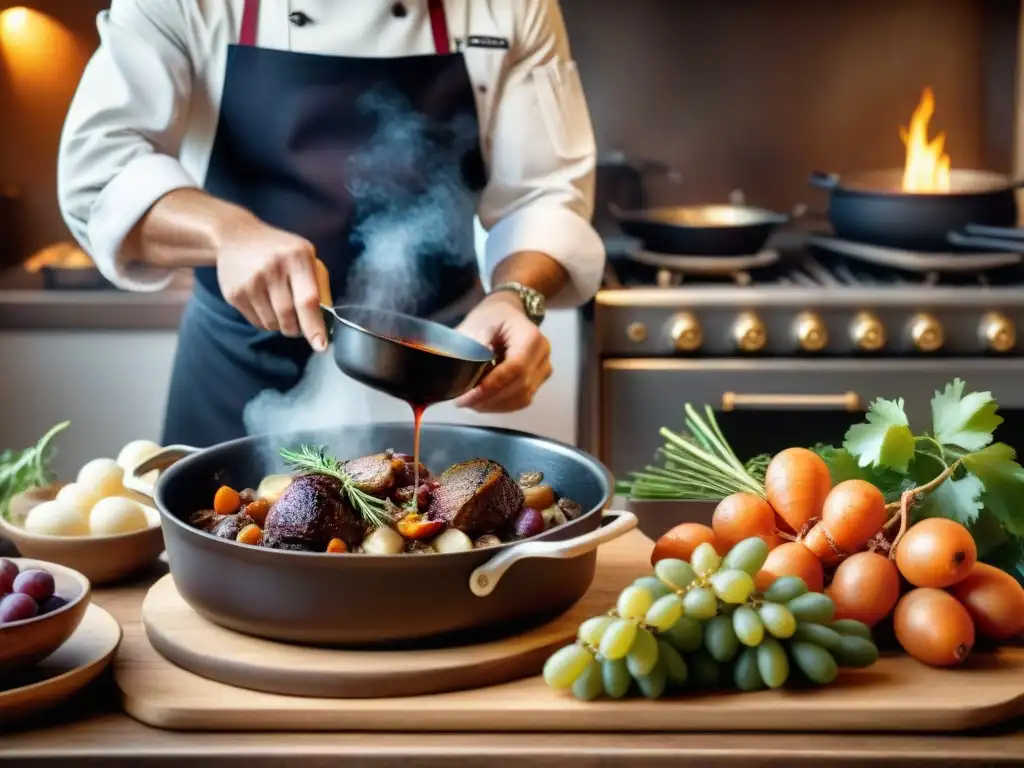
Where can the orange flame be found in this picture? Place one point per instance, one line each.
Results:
(927, 166)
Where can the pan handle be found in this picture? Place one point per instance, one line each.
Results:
(823, 180)
(1010, 233)
(986, 243)
(330, 316)
(159, 461)
(485, 578)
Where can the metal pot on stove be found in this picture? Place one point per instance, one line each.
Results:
(723, 229)
(978, 212)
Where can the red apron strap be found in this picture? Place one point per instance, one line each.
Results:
(439, 26)
(250, 21)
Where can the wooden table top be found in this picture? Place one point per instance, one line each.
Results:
(92, 727)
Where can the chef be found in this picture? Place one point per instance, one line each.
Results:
(268, 144)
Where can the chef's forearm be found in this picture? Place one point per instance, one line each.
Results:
(183, 229)
(533, 269)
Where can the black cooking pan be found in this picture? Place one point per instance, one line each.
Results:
(872, 208)
(416, 360)
(702, 230)
(358, 599)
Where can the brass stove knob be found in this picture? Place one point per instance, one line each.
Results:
(685, 332)
(867, 332)
(926, 332)
(637, 332)
(998, 332)
(749, 332)
(811, 333)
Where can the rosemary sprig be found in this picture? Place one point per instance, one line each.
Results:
(698, 465)
(21, 471)
(310, 460)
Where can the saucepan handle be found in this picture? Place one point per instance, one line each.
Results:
(1009, 233)
(1004, 244)
(159, 461)
(485, 578)
(329, 318)
(823, 180)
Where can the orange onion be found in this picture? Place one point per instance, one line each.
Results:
(796, 483)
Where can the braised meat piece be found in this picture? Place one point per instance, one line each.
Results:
(374, 474)
(405, 475)
(223, 526)
(476, 496)
(383, 473)
(569, 508)
(229, 525)
(403, 496)
(311, 512)
(204, 520)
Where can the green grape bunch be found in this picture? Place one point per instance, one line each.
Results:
(701, 624)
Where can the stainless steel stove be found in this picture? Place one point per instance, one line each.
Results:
(791, 345)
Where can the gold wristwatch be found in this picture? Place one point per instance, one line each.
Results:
(533, 300)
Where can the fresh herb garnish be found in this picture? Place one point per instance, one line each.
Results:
(981, 483)
(698, 464)
(310, 460)
(21, 471)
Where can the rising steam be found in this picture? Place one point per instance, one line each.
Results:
(411, 201)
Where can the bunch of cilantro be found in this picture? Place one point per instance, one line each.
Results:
(985, 492)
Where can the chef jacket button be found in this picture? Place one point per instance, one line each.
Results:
(299, 19)
(398, 10)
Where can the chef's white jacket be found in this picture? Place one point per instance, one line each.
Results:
(143, 120)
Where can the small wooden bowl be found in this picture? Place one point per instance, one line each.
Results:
(101, 559)
(25, 643)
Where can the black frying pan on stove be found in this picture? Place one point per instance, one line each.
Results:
(978, 213)
(701, 230)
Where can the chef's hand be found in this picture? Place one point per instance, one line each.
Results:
(524, 354)
(274, 279)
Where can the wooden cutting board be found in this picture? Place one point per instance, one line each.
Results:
(896, 694)
(194, 643)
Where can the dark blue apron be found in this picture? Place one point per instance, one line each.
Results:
(330, 148)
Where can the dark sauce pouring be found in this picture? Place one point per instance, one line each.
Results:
(418, 410)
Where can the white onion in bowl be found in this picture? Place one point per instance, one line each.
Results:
(102, 476)
(78, 496)
(56, 518)
(136, 452)
(152, 515)
(116, 515)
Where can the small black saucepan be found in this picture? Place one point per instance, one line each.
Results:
(872, 208)
(702, 230)
(416, 360)
(360, 599)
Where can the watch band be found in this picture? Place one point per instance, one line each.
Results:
(533, 300)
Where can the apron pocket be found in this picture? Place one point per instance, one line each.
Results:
(563, 108)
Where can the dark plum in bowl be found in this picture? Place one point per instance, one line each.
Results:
(41, 605)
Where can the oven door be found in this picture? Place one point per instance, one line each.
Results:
(764, 406)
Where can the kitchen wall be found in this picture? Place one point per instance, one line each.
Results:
(754, 94)
(736, 93)
(38, 76)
